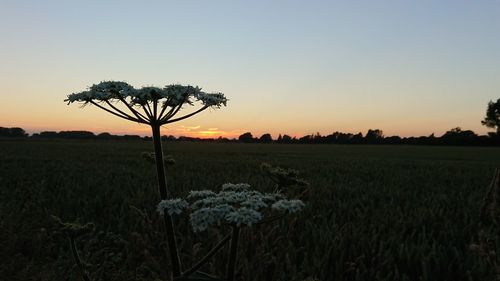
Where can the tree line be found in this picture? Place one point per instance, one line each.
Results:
(455, 136)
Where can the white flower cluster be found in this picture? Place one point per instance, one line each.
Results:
(172, 206)
(245, 216)
(172, 95)
(235, 186)
(196, 194)
(235, 204)
(103, 91)
(291, 206)
(205, 217)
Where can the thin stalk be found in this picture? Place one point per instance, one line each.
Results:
(150, 110)
(148, 113)
(210, 254)
(135, 112)
(77, 259)
(271, 219)
(231, 264)
(162, 187)
(163, 108)
(120, 111)
(116, 114)
(155, 109)
(172, 112)
(186, 116)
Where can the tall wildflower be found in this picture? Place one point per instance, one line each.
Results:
(155, 107)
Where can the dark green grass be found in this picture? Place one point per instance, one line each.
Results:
(373, 213)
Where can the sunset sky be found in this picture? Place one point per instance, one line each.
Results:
(409, 68)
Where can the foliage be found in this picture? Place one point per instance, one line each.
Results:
(246, 137)
(13, 132)
(492, 118)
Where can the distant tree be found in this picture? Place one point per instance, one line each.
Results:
(18, 132)
(48, 134)
(306, 139)
(317, 138)
(279, 139)
(168, 138)
(13, 132)
(357, 138)
(393, 140)
(374, 136)
(246, 137)
(76, 135)
(286, 139)
(105, 135)
(4, 132)
(457, 136)
(492, 118)
(458, 132)
(266, 138)
(131, 137)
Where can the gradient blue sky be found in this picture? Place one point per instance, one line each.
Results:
(297, 67)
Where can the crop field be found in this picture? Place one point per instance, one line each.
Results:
(373, 212)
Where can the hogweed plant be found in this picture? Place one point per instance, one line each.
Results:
(155, 107)
(73, 231)
(235, 205)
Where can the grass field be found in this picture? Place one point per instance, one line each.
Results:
(373, 212)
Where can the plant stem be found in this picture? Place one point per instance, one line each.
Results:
(162, 187)
(186, 116)
(77, 259)
(210, 254)
(231, 264)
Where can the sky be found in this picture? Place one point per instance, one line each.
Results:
(409, 68)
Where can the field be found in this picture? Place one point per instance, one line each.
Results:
(373, 212)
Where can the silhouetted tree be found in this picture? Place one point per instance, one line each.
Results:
(48, 134)
(492, 119)
(458, 132)
(246, 137)
(393, 140)
(4, 132)
(131, 137)
(18, 132)
(76, 135)
(266, 138)
(13, 132)
(168, 138)
(286, 139)
(374, 136)
(105, 136)
(457, 136)
(306, 139)
(279, 139)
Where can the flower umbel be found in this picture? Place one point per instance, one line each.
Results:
(148, 105)
(235, 204)
(172, 206)
(291, 206)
